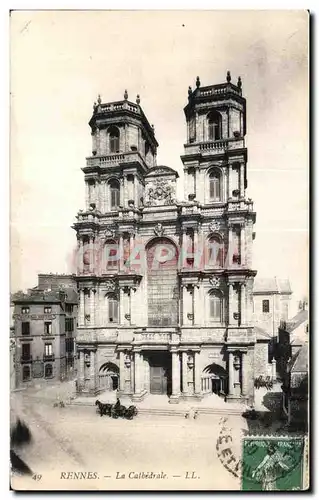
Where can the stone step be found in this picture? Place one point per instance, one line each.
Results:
(174, 410)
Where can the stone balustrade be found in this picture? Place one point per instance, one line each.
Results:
(240, 335)
(203, 334)
(114, 159)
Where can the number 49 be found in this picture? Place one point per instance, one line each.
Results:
(37, 477)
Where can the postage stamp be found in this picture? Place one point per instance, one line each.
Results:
(273, 463)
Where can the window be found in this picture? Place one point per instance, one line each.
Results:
(47, 327)
(265, 306)
(48, 349)
(69, 324)
(25, 328)
(47, 310)
(26, 352)
(115, 194)
(26, 373)
(48, 371)
(69, 308)
(214, 126)
(113, 309)
(114, 135)
(215, 307)
(69, 345)
(214, 186)
(25, 310)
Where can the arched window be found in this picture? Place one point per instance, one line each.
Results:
(214, 186)
(114, 135)
(115, 194)
(48, 371)
(215, 307)
(26, 373)
(113, 308)
(215, 252)
(214, 126)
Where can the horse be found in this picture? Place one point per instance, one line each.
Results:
(104, 408)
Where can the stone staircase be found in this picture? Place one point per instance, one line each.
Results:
(160, 406)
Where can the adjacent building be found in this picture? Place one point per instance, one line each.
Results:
(166, 286)
(271, 298)
(45, 321)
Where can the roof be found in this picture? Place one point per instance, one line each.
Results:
(299, 362)
(272, 285)
(36, 295)
(261, 334)
(297, 320)
(161, 170)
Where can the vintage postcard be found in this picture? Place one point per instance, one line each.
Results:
(159, 333)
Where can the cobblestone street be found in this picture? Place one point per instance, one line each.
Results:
(74, 439)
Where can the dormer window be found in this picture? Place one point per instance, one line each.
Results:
(114, 135)
(214, 126)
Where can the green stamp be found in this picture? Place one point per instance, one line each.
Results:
(272, 463)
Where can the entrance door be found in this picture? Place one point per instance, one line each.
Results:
(216, 385)
(158, 380)
(160, 373)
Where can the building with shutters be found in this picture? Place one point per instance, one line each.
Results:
(45, 321)
(166, 286)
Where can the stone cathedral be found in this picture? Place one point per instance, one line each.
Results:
(165, 286)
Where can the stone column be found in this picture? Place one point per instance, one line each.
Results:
(135, 191)
(243, 246)
(195, 245)
(81, 308)
(81, 370)
(91, 253)
(197, 374)
(125, 137)
(184, 373)
(122, 307)
(230, 374)
(132, 372)
(230, 304)
(122, 371)
(243, 304)
(80, 256)
(196, 181)
(121, 256)
(121, 192)
(242, 180)
(125, 197)
(184, 248)
(197, 307)
(132, 241)
(138, 373)
(92, 306)
(244, 374)
(186, 180)
(92, 371)
(230, 183)
(230, 246)
(176, 379)
(87, 195)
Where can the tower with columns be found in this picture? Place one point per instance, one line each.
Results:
(165, 286)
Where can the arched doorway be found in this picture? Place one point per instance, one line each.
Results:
(109, 375)
(214, 380)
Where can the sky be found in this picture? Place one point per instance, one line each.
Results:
(62, 60)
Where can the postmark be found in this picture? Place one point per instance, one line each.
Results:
(271, 463)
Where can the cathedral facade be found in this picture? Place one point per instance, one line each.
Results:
(165, 286)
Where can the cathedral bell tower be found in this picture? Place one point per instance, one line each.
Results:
(215, 182)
